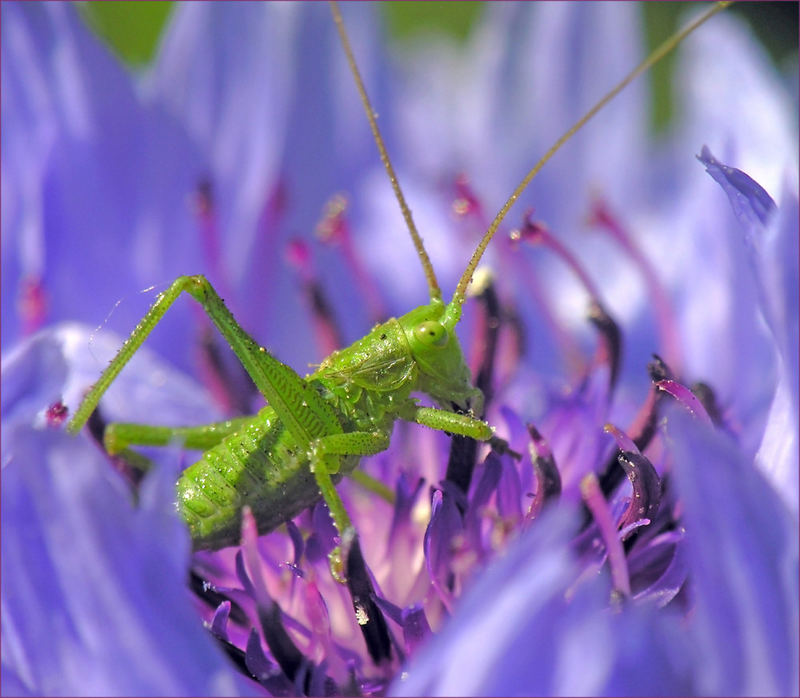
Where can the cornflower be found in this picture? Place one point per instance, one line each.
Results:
(646, 542)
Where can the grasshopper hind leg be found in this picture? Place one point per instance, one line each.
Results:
(118, 436)
(347, 560)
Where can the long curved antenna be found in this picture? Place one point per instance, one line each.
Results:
(430, 276)
(652, 59)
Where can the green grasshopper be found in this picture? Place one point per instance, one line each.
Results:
(316, 429)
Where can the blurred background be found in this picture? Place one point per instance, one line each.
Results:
(132, 30)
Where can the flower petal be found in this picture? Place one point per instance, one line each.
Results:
(742, 550)
(101, 237)
(94, 592)
(120, 622)
(516, 633)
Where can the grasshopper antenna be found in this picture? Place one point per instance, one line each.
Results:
(652, 59)
(433, 286)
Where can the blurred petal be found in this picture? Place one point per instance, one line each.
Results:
(101, 237)
(742, 547)
(773, 245)
(120, 621)
(59, 363)
(499, 621)
(751, 204)
(254, 106)
(519, 632)
(739, 80)
(94, 593)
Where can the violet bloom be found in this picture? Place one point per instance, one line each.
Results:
(556, 574)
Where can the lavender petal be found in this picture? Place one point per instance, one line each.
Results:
(742, 550)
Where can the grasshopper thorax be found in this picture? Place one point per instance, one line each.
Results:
(442, 372)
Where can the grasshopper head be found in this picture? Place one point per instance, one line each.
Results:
(443, 373)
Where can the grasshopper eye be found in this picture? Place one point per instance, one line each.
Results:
(432, 334)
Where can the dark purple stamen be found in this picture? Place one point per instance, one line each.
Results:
(602, 216)
(463, 450)
(129, 464)
(369, 616)
(485, 344)
(326, 329)
(646, 487)
(228, 383)
(548, 479)
(396, 615)
(219, 623)
(237, 656)
(657, 575)
(686, 398)
(289, 658)
(667, 517)
(263, 670)
(405, 497)
(242, 576)
(610, 349)
(481, 494)
(597, 504)
(444, 526)
(415, 627)
(705, 393)
(461, 461)
(297, 541)
(213, 598)
(643, 427)
(205, 208)
(56, 414)
(658, 370)
(334, 228)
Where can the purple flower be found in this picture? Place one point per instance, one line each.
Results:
(645, 543)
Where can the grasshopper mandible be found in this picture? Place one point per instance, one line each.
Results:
(315, 429)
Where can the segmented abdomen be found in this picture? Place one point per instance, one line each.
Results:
(260, 466)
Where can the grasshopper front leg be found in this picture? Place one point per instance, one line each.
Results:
(323, 457)
(452, 422)
(455, 423)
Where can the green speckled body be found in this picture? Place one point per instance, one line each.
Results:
(314, 429)
(261, 465)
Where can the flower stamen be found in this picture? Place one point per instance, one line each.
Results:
(596, 503)
(326, 329)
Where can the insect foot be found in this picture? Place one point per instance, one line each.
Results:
(502, 446)
(337, 566)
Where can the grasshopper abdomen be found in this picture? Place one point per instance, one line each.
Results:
(259, 465)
